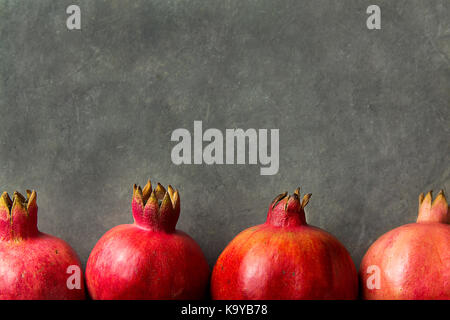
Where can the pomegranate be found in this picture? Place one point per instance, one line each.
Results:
(148, 259)
(411, 261)
(34, 265)
(284, 258)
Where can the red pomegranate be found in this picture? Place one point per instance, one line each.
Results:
(411, 261)
(284, 258)
(148, 259)
(34, 265)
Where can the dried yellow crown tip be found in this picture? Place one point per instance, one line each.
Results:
(278, 198)
(5, 201)
(160, 191)
(19, 201)
(176, 200)
(436, 211)
(147, 191)
(170, 190)
(137, 192)
(166, 203)
(440, 197)
(152, 200)
(305, 199)
(31, 195)
(421, 197)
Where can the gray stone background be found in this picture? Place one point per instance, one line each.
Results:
(363, 115)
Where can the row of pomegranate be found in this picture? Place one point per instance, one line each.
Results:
(284, 258)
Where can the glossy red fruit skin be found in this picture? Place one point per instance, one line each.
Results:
(146, 260)
(34, 265)
(413, 260)
(284, 259)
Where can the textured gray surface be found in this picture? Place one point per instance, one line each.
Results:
(363, 115)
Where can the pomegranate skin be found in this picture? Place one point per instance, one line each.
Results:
(148, 259)
(129, 262)
(284, 259)
(33, 265)
(413, 260)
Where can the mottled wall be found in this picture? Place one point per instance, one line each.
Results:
(363, 115)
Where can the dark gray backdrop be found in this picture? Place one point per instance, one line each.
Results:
(363, 115)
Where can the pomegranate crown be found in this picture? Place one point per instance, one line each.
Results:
(287, 210)
(18, 217)
(157, 209)
(436, 211)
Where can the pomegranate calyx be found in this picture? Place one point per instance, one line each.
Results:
(18, 217)
(157, 209)
(278, 199)
(146, 192)
(288, 211)
(433, 211)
